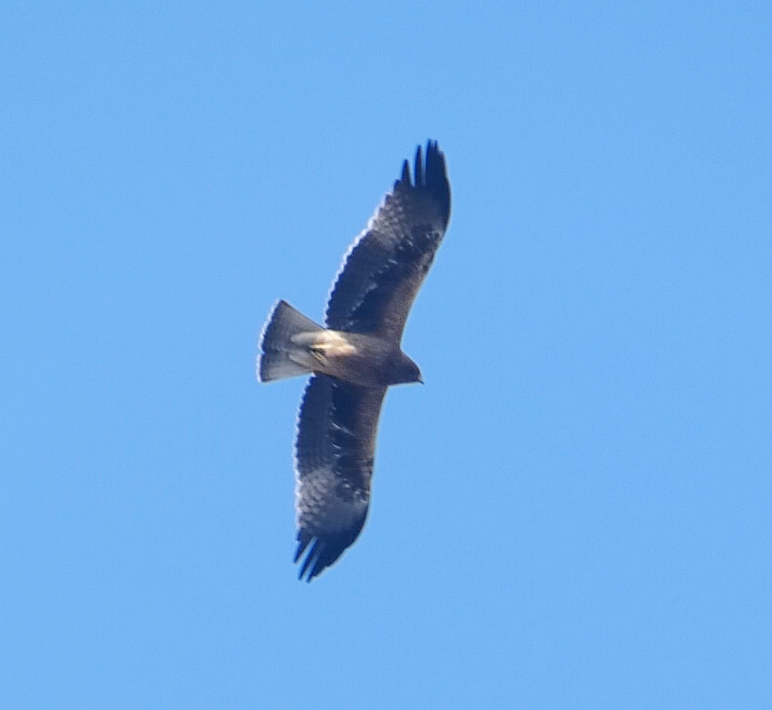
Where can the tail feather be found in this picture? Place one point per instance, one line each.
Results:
(274, 361)
(277, 366)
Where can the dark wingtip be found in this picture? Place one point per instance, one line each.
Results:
(405, 177)
(419, 166)
(324, 551)
(430, 174)
(303, 542)
(435, 177)
(320, 556)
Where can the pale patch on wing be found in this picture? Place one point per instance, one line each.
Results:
(328, 342)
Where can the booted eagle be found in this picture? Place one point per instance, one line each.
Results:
(354, 358)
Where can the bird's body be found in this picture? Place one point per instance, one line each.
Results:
(355, 358)
(359, 358)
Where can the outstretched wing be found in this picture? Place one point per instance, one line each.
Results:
(385, 266)
(334, 453)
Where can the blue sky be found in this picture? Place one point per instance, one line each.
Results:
(574, 512)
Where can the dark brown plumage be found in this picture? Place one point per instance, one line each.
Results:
(355, 358)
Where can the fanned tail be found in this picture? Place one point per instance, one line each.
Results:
(275, 360)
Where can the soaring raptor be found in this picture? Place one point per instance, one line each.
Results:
(355, 357)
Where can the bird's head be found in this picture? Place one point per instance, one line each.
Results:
(404, 371)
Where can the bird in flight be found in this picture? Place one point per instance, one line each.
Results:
(354, 358)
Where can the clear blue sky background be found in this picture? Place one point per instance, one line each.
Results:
(574, 512)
